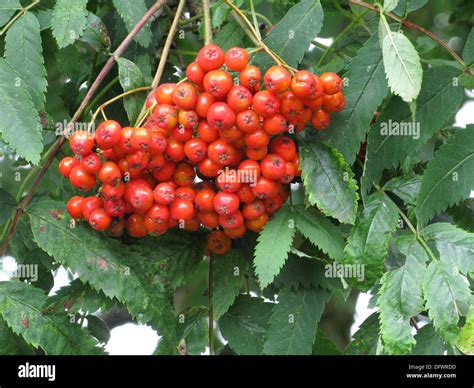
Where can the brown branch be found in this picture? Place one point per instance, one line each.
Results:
(418, 28)
(57, 145)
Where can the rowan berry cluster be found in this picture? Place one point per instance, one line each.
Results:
(211, 153)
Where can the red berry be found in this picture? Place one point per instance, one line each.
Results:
(81, 143)
(164, 193)
(203, 103)
(182, 209)
(81, 179)
(250, 78)
(236, 58)
(283, 146)
(136, 226)
(331, 83)
(99, 219)
(226, 203)
(265, 103)
(91, 163)
(195, 73)
(218, 83)
(277, 79)
(74, 207)
(320, 119)
(184, 96)
(66, 165)
(164, 93)
(90, 204)
(210, 57)
(239, 98)
(107, 134)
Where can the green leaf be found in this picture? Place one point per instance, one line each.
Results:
(294, 321)
(69, 21)
(323, 346)
(368, 241)
(405, 187)
(21, 307)
(228, 275)
(466, 336)
(24, 52)
(447, 297)
(468, 52)
(80, 297)
(449, 177)
(304, 272)
(98, 328)
(274, 242)
(105, 264)
(364, 93)
(7, 9)
(389, 5)
(455, 246)
(387, 150)
(292, 35)
(194, 331)
(229, 36)
(8, 205)
(400, 297)
(12, 344)
(131, 77)
(402, 66)
(410, 5)
(428, 342)
(245, 324)
(365, 340)
(320, 231)
(329, 181)
(19, 122)
(131, 11)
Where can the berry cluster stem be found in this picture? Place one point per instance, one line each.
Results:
(58, 144)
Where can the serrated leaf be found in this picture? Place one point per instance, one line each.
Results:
(273, 245)
(455, 246)
(228, 273)
(449, 177)
(401, 297)
(294, 321)
(131, 11)
(106, 265)
(323, 346)
(365, 339)
(131, 77)
(402, 66)
(24, 52)
(19, 121)
(368, 241)
(304, 272)
(7, 207)
(468, 52)
(409, 5)
(194, 331)
(229, 36)
(406, 187)
(7, 9)
(245, 324)
(69, 21)
(447, 297)
(389, 5)
(364, 93)
(78, 296)
(465, 340)
(320, 231)
(98, 328)
(21, 307)
(12, 344)
(428, 342)
(329, 181)
(292, 35)
(386, 151)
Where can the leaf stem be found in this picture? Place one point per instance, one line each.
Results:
(101, 94)
(58, 144)
(112, 100)
(417, 235)
(418, 28)
(17, 16)
(207, 21)
(255, 22)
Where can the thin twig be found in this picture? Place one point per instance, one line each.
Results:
(416, 27)
(17, 16)
(207, 22)
(57, 145)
